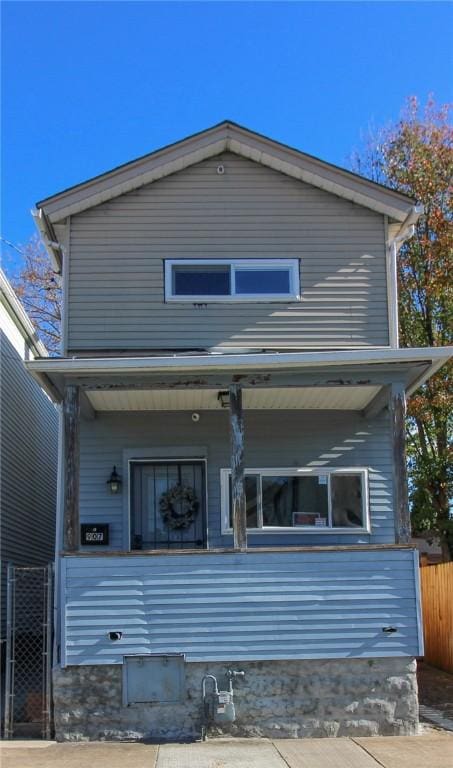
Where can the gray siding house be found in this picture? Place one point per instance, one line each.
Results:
(233, 489)
(28, 447)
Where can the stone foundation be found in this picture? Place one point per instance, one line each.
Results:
(276, 699)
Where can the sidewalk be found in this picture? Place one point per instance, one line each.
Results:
(433, 750)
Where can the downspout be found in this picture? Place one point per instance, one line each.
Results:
(52, 247)
(58, 602)
(405, 232)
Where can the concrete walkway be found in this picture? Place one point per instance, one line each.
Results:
(434, 750)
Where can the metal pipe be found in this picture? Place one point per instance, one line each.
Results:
(47, 731)
(204, 724)
(406, 231)
(203, 685)
(9, 671)
(407, 228)
(50, 245)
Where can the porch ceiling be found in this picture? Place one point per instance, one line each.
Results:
(279, 398)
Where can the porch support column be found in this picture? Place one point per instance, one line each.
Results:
(237, 468)
(400, 495)
(71, 419)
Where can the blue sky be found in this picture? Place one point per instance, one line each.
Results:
(90, 85)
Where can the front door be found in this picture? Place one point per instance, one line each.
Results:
(168, 505)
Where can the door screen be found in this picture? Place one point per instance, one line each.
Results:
(168, 505)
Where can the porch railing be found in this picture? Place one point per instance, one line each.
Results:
(295, 604)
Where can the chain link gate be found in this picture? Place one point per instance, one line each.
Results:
(28, 652)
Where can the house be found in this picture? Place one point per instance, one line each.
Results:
(29, 436)
(233, 488)
(429, 549)
(28, 449)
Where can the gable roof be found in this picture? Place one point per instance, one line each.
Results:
(224, 137)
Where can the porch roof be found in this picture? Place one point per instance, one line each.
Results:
(340, 379)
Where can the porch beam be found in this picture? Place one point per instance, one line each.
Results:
(71, 421)
(400, 493)
(344, 378)
(377, 404)
(238, 504)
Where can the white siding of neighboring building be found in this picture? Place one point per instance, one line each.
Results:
(28, 459)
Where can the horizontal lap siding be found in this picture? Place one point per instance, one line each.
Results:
(116, 297)
(241, 607)
(28, 464)
(304, 439)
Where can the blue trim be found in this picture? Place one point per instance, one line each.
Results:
(418, 599)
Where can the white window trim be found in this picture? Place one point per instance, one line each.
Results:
(293, 472)
(291, 264)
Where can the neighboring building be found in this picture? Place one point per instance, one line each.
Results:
(230, 350)
(429, 550)
(28, 446)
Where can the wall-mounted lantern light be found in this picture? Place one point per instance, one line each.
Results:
(114, 481)
(224, 398)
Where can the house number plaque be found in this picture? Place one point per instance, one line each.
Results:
(94, 534)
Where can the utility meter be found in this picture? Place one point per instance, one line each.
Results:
(219, 705)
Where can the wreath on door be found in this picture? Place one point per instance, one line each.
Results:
(179, 506)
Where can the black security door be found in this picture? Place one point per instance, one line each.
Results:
(168, 505)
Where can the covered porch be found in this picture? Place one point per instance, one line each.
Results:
(322, 417)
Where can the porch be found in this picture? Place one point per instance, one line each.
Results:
(303, 417)
(302, 576)
(298, 466)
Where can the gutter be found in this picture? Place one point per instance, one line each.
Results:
(406, 231)
(42, 370)
(46, 231)
(434, 367)
(407, 228)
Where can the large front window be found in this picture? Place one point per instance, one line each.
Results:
(301, 499)
(202, 280)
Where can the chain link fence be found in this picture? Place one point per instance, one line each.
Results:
(27, 709)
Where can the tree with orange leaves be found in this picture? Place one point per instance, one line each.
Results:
(415, 156)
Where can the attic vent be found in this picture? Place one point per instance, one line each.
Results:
(220, 170)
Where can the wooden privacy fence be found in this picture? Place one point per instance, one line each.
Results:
(437, 598)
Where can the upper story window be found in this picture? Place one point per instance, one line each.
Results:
(203, 280)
